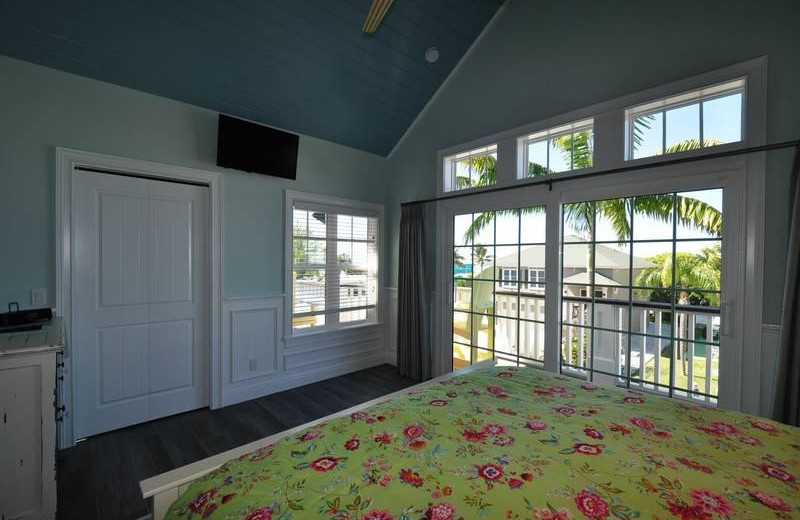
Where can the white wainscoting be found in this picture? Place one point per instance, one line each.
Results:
(770, 335)
(259, 359)
(390, 319)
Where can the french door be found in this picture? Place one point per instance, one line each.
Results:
(622, 281)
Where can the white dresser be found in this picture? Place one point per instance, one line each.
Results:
(28, 365)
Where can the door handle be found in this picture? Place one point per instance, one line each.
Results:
(726, 312)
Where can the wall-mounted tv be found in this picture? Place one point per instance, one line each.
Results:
(251, 147)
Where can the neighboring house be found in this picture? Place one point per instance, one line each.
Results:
(611, 282)
(611, 270)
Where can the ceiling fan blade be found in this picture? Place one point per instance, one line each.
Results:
(375, 16)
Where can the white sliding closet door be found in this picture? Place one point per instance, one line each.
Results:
(140, 297)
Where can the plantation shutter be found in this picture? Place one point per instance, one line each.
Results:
(334, 267)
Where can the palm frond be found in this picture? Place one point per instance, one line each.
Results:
(617, 211)
(580, 216)
(691, 144)
(694, 212)
(640, 125)
(484, 220)
(537, 170)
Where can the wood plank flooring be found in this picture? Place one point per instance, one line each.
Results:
(99, 478)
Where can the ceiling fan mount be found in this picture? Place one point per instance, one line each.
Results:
(375, 15)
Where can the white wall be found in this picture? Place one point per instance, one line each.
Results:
(41, 109)
(258, 358)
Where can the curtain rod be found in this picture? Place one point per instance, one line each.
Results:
(667, 162)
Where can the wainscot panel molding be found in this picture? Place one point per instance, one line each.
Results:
(770, 335)
(390, 319)
(258, 357)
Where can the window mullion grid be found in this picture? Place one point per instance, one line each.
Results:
(643, 351)
(493, 320)
(561, 292)
(700, 133)
(547, 147)
(473, 333)
(525, 161)
(572, 152)
(519, 279)
(663, 131)
(673, 336)
(332, 273)
(592, 239)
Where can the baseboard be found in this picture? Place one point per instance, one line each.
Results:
(292, 380)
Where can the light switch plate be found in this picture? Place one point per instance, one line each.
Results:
(38, 297)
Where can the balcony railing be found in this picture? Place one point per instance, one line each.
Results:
(644, 351)
(622, 341)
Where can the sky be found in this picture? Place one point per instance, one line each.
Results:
(721, 121)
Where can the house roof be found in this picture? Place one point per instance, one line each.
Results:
(583, 279)
(575, 257)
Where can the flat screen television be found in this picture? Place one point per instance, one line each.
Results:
(251, 147)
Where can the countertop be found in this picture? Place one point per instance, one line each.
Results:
(49, 337)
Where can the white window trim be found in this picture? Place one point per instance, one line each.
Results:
(509, 283)
(609, 152)
(292, 196)
(449, 164)
(609, 126)
(546, 136)
(533, 284)
(697, 96)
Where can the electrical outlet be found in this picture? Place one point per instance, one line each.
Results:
(38, 297)
(253, 365)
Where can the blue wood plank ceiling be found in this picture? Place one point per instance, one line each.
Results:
(301, 65)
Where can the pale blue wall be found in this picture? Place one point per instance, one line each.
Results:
(542, 59)
(42, 108)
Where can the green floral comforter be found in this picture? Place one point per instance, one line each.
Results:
(514, 443)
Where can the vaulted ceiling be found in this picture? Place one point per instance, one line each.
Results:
(301, 65)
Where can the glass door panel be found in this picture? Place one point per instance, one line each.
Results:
(641, 290)
(499, 286)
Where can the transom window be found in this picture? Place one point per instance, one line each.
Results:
(471, 169)
(560, 149)
(699, 119)
(334, 266)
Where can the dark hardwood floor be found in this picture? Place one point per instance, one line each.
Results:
(99, 478)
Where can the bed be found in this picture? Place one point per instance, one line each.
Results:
(500, 442)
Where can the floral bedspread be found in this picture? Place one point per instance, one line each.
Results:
(511, 443)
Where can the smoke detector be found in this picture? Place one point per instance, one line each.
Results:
(432, 54)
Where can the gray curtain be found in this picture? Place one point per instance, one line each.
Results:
(786, 403)
(413, 348)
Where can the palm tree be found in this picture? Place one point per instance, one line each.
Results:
(485, 166)
(458, 260)
(481, 256)
(701, 271)
(577, 148)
